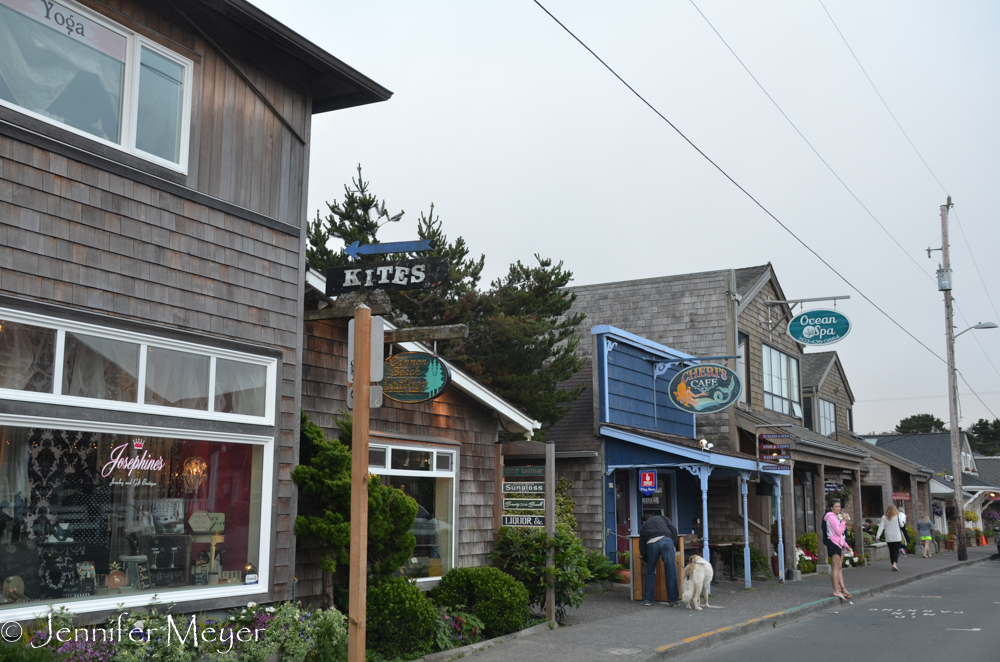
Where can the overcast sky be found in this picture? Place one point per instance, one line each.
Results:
(526, 144)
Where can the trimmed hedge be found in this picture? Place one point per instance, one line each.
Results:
(493, 596)
(401, 621)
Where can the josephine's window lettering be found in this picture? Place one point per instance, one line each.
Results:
(130, 464)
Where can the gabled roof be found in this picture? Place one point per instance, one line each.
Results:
(817, 366)
(804, 437)
(748, 277)
(989, 469)
(510, 416)
(929, 449)
(249, 34)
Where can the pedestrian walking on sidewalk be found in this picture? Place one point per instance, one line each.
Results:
(893, 533)
(835, 524)
(658, 539)
(926, 532)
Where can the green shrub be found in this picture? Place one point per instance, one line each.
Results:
(401, 620)
(19, 652)
(807, 566)
(757, 561)
(911, 535)
(601, 569)
(565, 519)
(808, 542)
(522, 553)
(494, 597)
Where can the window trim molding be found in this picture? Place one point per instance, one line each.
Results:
(453, 474)
(832, 420)
(61, 326)
(798, 382)
(107, 604)
(130, 91)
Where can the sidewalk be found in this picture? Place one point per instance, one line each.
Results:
(609, 626)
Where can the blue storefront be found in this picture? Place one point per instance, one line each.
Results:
(646, 438)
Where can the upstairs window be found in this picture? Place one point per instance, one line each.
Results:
(827, 417)
(66, 65)
(781, 383)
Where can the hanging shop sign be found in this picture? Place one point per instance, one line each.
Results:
(414, 377)
(647, 482)
(819, 327)
(419, 274)
(777, 468)
(524, 520)
(705, 388)
(524, 504)
(900, 496)
(523, 488)
(524, 471)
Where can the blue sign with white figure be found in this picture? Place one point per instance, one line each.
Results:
(819, 327)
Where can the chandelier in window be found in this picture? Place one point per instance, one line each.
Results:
(195, 471)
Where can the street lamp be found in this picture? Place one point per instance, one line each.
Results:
(981, 325)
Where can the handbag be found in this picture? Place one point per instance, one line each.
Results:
(902, 533)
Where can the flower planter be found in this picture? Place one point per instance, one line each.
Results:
(774, 565)
(624, 576)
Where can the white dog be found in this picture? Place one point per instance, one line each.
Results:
(697, 582)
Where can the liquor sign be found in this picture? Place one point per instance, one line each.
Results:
(705, 388)
(414, 377)
(819, 327)
(524, 520)
(523, 488)
(421, 273)
(524, 504)
(524, 471)
(647, 482)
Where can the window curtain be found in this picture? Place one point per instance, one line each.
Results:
(176, 379)
(240, 388)
(100, 368)
(38, 64)
(27, 355)
(15, 452)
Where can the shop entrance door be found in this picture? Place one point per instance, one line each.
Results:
(622, 509)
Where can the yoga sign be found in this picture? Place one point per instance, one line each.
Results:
(705, 388)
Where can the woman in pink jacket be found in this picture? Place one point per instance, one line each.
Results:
(835, 544)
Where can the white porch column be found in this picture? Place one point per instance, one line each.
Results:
(744, 477)
(702, 471)
(781, 540)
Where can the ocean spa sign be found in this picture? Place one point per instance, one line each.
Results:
(705, 388)
(414, 377)
(819, 327)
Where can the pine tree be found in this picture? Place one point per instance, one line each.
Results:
(522, 341)
(324, 476)
(435, 380)
(984, 437)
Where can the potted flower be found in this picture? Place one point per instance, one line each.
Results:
(625, 574)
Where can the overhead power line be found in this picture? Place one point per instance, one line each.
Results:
(917, 151)
(837, 176)
(742, 190)
(737, 185)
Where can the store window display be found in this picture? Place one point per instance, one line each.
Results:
(85, 514)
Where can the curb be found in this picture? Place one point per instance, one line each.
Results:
(455, 653)
(728, 633)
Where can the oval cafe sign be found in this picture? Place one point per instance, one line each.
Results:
(705, 388)
(819, 327)
(414, 377)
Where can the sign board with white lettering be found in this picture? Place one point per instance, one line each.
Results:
(377, 335)
(523, 488)
(418, 274)
(524, 504)
(524, 520)
(819, 327)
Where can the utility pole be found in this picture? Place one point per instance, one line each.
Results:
(944, 284)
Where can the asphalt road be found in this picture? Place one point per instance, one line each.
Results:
(954, 616)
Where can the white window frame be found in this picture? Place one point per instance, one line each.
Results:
(453, 474)
(56, 398)
(86, 605)
(827, 417)
(130, 92)
(791, 365)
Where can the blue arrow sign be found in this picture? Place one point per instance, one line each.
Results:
(356, 250)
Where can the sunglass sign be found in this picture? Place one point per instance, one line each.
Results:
(705, 388)
(819, 327)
